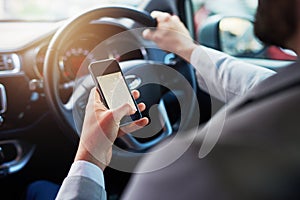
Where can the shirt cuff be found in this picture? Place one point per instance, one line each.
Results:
(88, 170)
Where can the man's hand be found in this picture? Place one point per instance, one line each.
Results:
(101, 128)
(171, 35)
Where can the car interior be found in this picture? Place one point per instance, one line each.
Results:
(45, 83)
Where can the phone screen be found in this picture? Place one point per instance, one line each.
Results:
(115, 90)
(112, 86)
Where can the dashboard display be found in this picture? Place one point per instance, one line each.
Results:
(80, 54)
(85, 48)
(72, 60)
(75, 54)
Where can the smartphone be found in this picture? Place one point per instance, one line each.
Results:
(113, 88)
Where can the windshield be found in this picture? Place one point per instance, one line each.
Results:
(51, 10)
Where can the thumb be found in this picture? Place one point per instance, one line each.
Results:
(122, 111)
(148, 34)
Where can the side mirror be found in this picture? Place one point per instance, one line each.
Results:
(237, 37)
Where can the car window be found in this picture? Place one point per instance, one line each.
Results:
(231, 42)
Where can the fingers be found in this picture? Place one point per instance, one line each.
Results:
(175, 18)
(165, 23)
(97, 95)
(122, 111)
(118, 113)
(126, 109)
(141, 107)
(135, 94)
(148, 34)
(160, 16)
(95, 100)
(136, 125)
(164, 17)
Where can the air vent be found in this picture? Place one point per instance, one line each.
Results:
(9, 63)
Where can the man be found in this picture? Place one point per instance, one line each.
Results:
(215, 67)
(257, 155)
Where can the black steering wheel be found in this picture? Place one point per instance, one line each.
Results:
(178, 80)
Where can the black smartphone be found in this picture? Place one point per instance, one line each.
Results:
(113, 88)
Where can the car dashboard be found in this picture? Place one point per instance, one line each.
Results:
(22, 56)
(26, 121)
(32, 144)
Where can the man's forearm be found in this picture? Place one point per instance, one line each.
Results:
(224, 76)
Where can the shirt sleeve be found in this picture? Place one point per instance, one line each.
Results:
(224, 76)
(88, 170)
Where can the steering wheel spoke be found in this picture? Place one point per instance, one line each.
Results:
(134, 144)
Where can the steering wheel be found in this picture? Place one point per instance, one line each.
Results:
(178, 80)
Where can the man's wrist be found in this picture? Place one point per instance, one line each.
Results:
(187, 52)
(88, 157)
